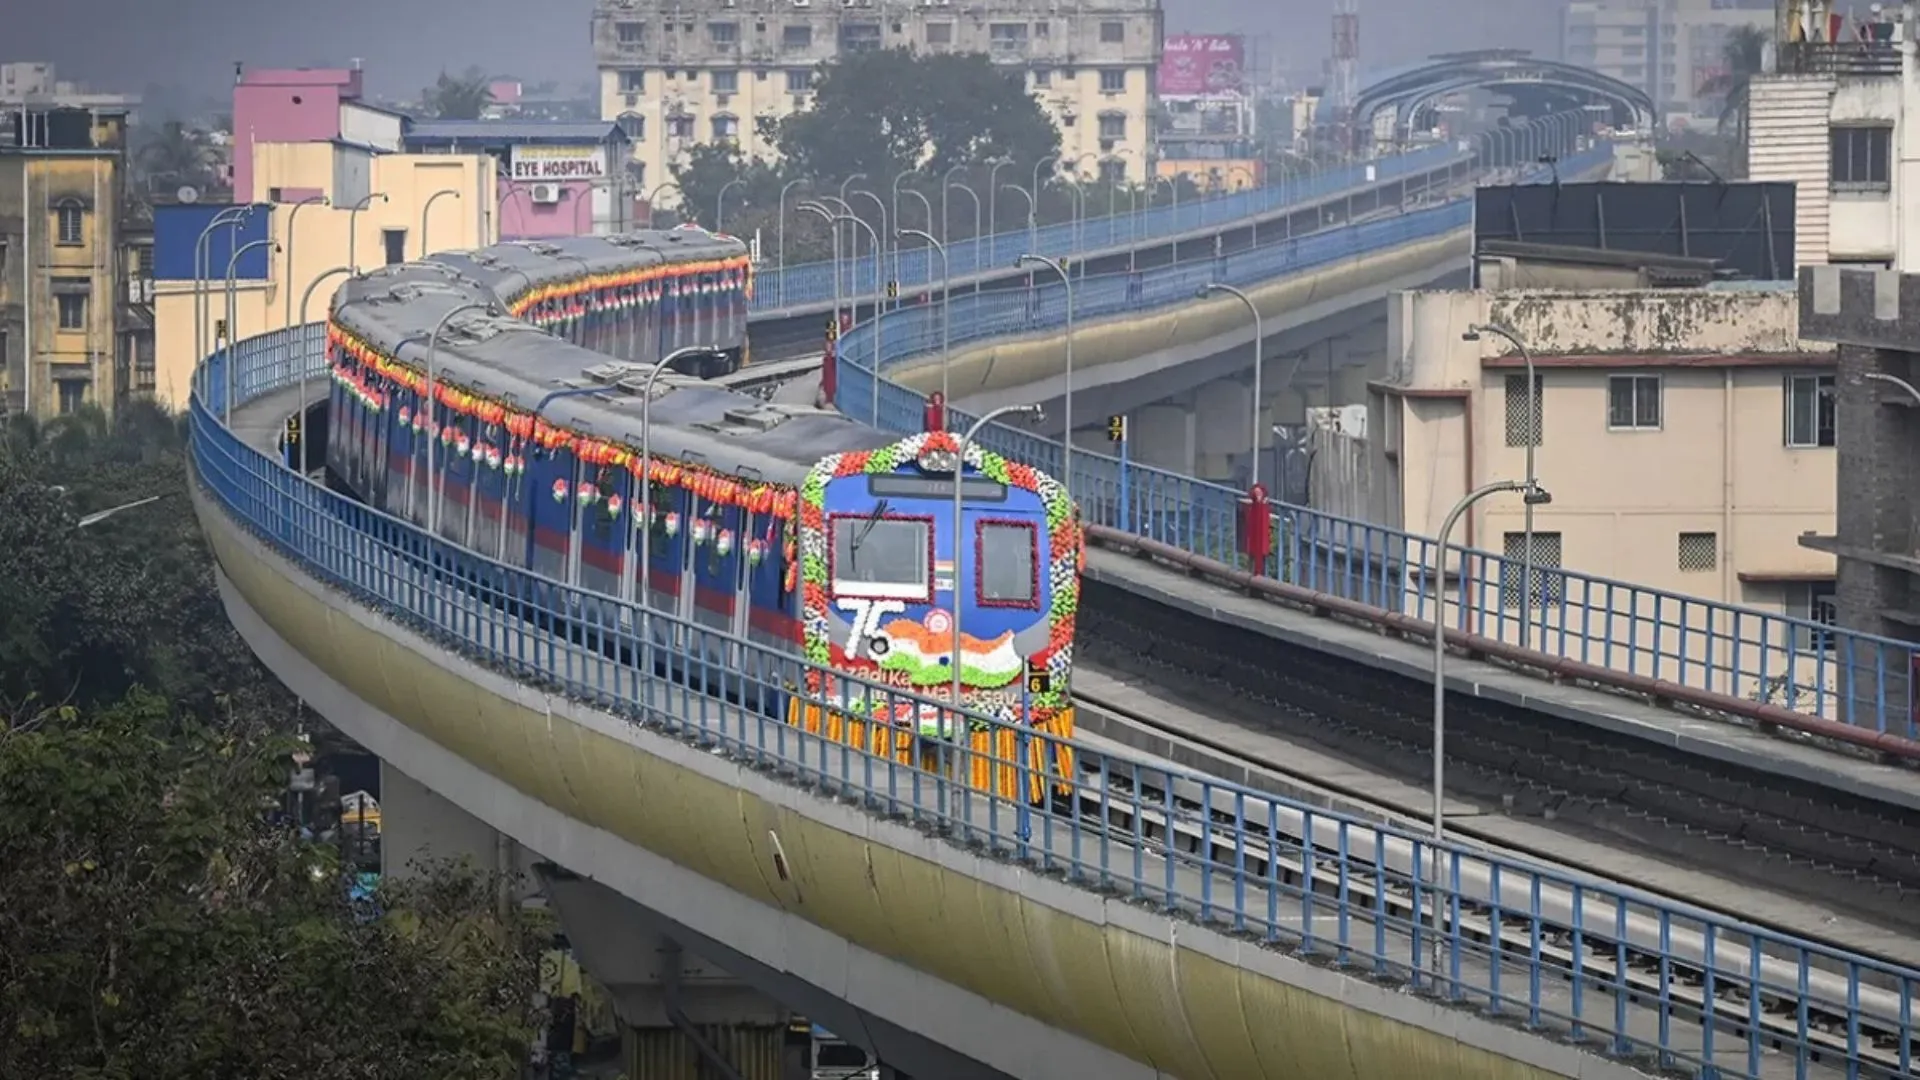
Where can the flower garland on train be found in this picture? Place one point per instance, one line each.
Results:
(562, 302)
(1066, 539)
(502, 436)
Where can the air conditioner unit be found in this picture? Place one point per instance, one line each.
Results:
(802, 3)
(632, 100)
(544, 193)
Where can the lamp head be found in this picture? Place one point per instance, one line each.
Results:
(1535, 495)
(1472, 333)
(1035, 414)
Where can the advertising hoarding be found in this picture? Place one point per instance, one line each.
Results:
(554, 163)
(1202, 65)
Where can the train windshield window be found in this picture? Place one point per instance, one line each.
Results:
(887, 553)
(1006, 557)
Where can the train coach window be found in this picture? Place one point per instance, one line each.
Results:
(1005, 557)
(882, 556)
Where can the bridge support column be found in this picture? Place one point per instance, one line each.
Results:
(1163, 436)
(684, 1017)
(1222, 417)
(418, 826)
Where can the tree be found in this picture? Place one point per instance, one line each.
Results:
(176, 155)
(458, 97)
(165, 927)
(1743, 56)
(884, 112)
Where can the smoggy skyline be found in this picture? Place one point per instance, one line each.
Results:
(128, 45)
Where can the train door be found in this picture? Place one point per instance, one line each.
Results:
(549, 523)
(489, 492)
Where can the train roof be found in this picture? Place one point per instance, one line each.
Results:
(490, 353)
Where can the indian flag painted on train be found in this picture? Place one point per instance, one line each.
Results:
(923, 651)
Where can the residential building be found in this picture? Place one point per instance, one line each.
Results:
(305, 105)
(680, 73)
(410, 202)
(555, 178)
(1675, 50)
(63, 293)
(35, 83)
(1828, 119)
(1206, 130)
(1687, 435)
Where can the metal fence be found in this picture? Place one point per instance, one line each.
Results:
(1647, 635)
(812, 283)
(1614, 970)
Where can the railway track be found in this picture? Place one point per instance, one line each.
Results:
(1814, 843)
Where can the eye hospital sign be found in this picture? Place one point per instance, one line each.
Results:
(557, 162)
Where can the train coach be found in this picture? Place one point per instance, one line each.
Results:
(793, 528)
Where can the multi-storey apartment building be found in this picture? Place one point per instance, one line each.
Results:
(680, 73)
(1675, 50)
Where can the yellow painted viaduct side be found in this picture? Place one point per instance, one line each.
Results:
(1005, 362)
(1180, 999)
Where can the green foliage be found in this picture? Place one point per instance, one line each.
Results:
(884, 112)
(161, 922)
(172, 156)
(458, 97)
(161, 926)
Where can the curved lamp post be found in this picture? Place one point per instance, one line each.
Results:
(854, 243)
(428, 209)
(955, 721)
(993, 211)
(780, 293)
(720, 202)
(1532, 478)
(1253, 433)
(946, 313)
(879, 250)
(353, 222)
(1066, 402)
(1532, 492)
(646, 473)
(306, 299)
(232, 217)
(434, 485)
(833, 230)
(293, 216)
(233, 336)
(878, 291)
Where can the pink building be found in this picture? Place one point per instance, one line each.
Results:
(304, 105)
(557, 178)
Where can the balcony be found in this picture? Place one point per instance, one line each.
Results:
(1847, 59)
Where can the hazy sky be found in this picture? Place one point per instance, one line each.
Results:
(128, 44)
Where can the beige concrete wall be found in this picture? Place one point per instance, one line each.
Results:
(316, 240)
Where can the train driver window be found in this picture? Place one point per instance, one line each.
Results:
(882, 557)
(1006, 561)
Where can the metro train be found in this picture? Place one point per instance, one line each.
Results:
(793, 528)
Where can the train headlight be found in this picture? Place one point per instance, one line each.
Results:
(937, 460)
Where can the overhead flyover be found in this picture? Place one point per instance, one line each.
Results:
(1510, 71)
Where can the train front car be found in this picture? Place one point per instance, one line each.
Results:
(883, 574)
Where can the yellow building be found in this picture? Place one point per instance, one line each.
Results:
(410, 202)
(62, 178)
(675, 78)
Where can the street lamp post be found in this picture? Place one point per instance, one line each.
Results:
(720, 202)
(428, 209)
(1253, 433)
(946, 217)
(879, 290)
(879, 251)
(1532, 478)
(927, 205)
(852, 253)
(1532, 492)
(232, 217)
(353, 222)
(780, 242)
(975, 196)
(993, 214)
(1894, 380)
(434, 486)
(1066, 403)
(646, 475)
(955, 721)
(946, 314)
(233, 261)
(895, 218)
(833, 229)
(293, 216)
(99, 516)
(654, 195)
(306, 298)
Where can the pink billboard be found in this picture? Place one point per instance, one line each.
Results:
(1195, 65)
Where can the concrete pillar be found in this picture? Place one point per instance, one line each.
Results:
(418, 826)
(1093, 440)
(1163, 436)
(1223, 418)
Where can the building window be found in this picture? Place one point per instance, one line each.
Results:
(1042, 77)
(796, 38)
(1633, 402)
(799, 80)
(1809, 409)
(860, 37)
(633, 82)
(1859, 160)
(1698, 552)
(726, 82)
(1546, 578)
(1113, 171)
(940, 33)
(726, 127)
(1113, 81)
(73, 394)
(394, 242)
(724, 35)
(1814, 602)
(680, 127)
(630, 33)
(1113, 33)
(1524, 425)
(142, 259)
(1113, 125)
(1007, 39)
(634, 126)
(70, 223)
(73, 310)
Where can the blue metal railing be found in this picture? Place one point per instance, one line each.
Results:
(1649, 636)
(812, 283)
(1614, 970)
